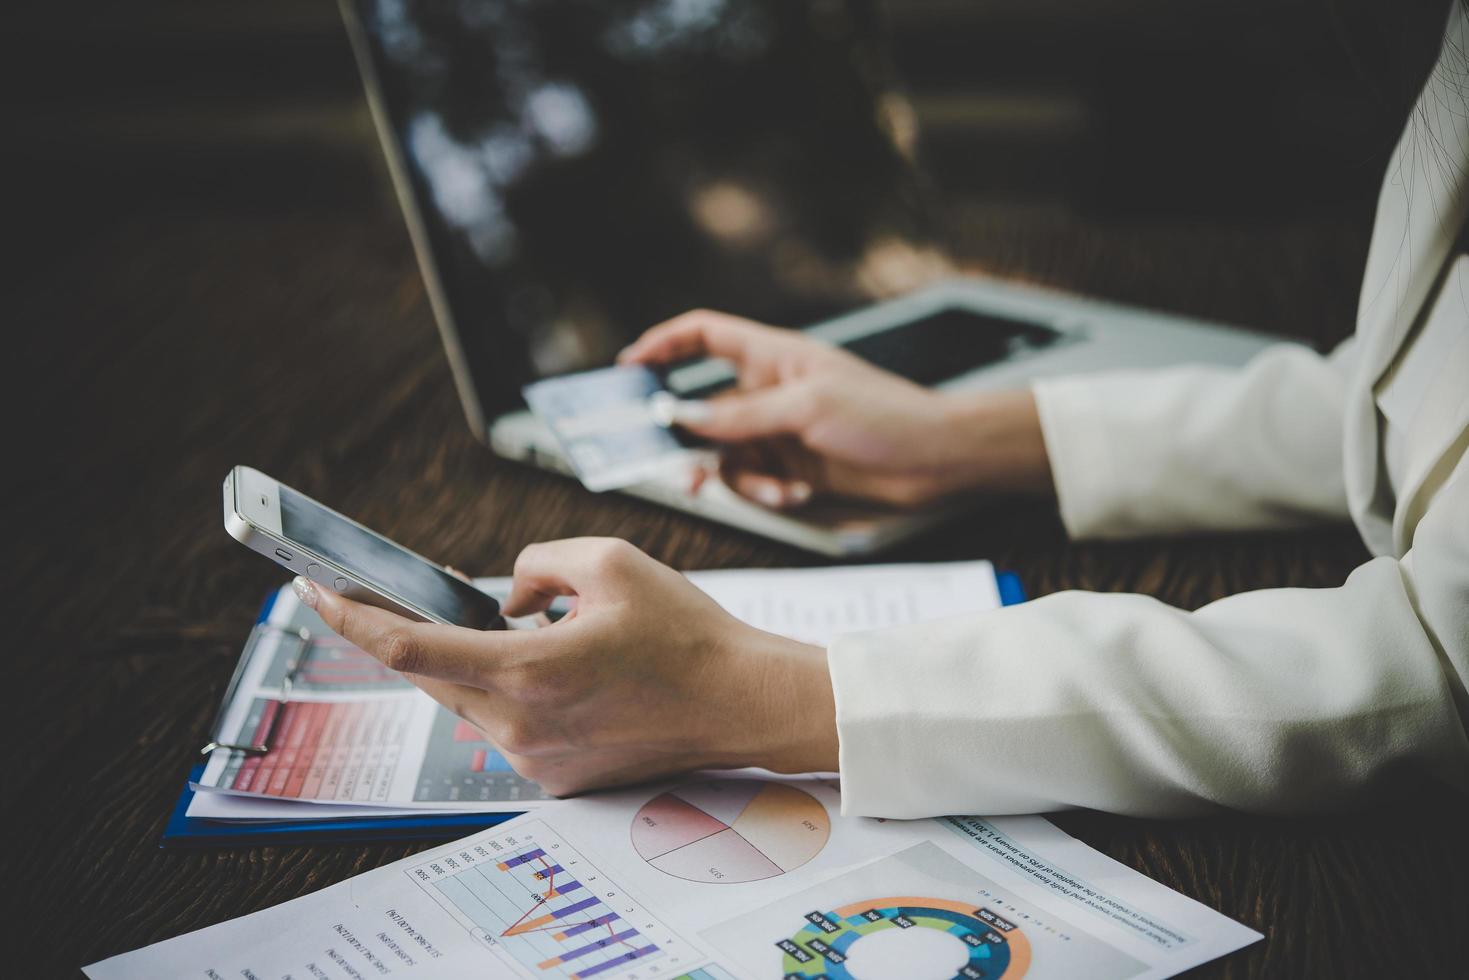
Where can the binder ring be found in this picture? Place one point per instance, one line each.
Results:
(304, 642)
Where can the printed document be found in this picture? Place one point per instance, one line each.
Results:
(346, 737)
(721, 876)
(815, 605)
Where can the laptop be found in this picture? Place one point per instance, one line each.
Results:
(572, 173)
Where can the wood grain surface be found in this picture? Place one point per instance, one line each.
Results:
(305, 347)
(170, 341)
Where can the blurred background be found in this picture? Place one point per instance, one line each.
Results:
(204, 216)
(1238, 110)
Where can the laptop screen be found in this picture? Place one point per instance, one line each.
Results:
(582, 169)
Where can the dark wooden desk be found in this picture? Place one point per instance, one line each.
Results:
(180, 337)
(304, 346)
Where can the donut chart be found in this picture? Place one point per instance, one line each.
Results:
(728, 831)
(997, 949)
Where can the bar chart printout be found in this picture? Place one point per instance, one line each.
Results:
(530, 897)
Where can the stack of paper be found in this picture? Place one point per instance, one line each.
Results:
(709, 877)
(718, 876)
(345, 737)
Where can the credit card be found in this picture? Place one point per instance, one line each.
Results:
(608, 427)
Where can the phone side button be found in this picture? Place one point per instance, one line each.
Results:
(312, 571)
(341, 584)
(284, 555)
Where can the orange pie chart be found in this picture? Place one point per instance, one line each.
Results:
(730, 830)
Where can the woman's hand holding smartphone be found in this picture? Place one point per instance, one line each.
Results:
(646, 677)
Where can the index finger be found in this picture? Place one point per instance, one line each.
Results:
(448, 653)
(700, 333)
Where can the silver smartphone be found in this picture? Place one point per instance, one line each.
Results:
(335, 551)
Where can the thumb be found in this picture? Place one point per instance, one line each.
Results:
(742, 416)
(589, 568)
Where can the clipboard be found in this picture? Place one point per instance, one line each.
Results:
(183, 831)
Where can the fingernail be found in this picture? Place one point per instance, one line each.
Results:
(305, 591)
(668, 409)
(691, 411)
(768, 494)
(660, 406)
(798, 493)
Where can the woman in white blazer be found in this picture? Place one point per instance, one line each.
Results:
(1277, 700)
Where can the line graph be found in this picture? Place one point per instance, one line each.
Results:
(624, 942)
(530, 896)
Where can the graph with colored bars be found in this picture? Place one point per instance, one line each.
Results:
(352, 751)
(481, 757)
(458, 764)
(336, 750)
(530, 896)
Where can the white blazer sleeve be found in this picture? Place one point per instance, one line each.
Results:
(1259, 446)
(1278, 700)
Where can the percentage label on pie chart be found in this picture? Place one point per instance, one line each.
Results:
(730, 830)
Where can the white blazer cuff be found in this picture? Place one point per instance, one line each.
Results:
(1089, 488)
(877, 780)
(913, 729)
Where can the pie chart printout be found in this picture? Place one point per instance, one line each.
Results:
(727, 831)
(920, 914)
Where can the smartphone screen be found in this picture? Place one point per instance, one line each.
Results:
(382, 564)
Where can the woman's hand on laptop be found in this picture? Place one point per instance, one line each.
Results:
(647, 676)
(808, 418)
